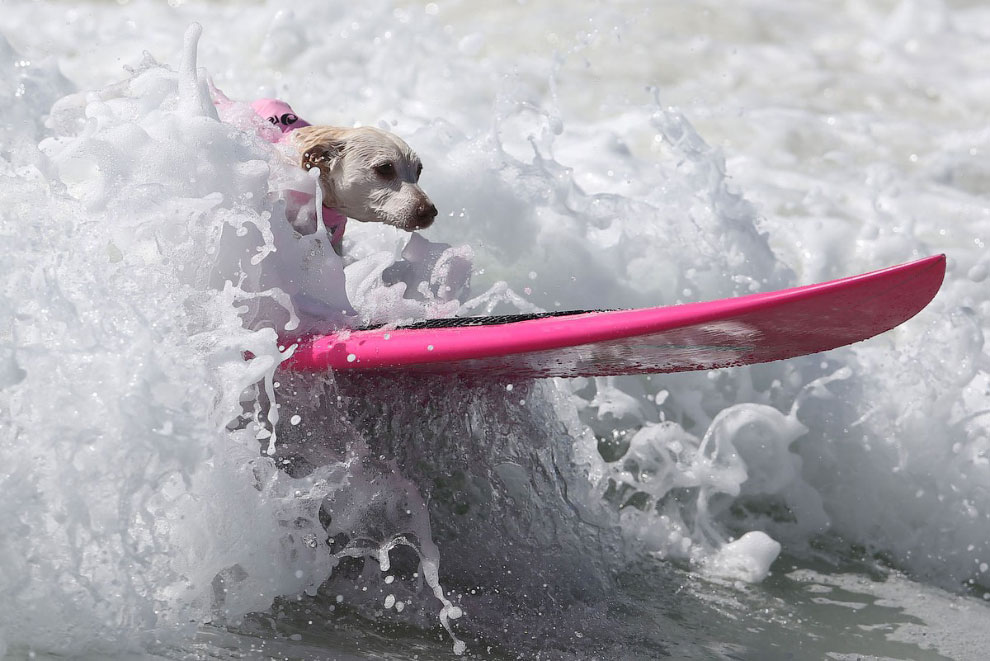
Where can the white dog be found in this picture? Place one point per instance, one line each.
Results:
(365, 173)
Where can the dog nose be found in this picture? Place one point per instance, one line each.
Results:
(425, 213)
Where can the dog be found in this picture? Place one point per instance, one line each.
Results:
(366, 173)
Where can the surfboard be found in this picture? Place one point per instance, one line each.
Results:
(743, 330)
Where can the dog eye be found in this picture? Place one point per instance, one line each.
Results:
(419, 171)
(386, 170)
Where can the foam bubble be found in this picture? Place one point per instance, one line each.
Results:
(746, 559)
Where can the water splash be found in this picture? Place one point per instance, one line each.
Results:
(116, 321)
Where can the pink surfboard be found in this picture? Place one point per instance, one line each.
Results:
(696, 336)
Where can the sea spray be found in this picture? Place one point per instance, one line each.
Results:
(233, 234)
(129, 490)
(855, 136)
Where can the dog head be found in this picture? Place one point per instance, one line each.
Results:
(367, 174)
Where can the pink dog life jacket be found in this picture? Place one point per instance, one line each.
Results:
(281, 115)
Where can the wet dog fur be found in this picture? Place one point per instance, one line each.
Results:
(367, 174)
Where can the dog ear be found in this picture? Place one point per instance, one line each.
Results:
(321, 147)
(323, 156)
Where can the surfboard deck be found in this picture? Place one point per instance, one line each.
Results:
(695, 336)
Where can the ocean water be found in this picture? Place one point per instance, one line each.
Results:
(169, 493)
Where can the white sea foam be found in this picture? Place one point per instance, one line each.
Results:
(145, 250)
(746, 559)
(122, 369)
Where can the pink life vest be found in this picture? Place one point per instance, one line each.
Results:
(281, 115)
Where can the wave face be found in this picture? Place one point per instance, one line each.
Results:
(164, 481)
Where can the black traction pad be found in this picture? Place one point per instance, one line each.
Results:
(462, 322)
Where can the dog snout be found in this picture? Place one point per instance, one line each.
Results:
(426, 212)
